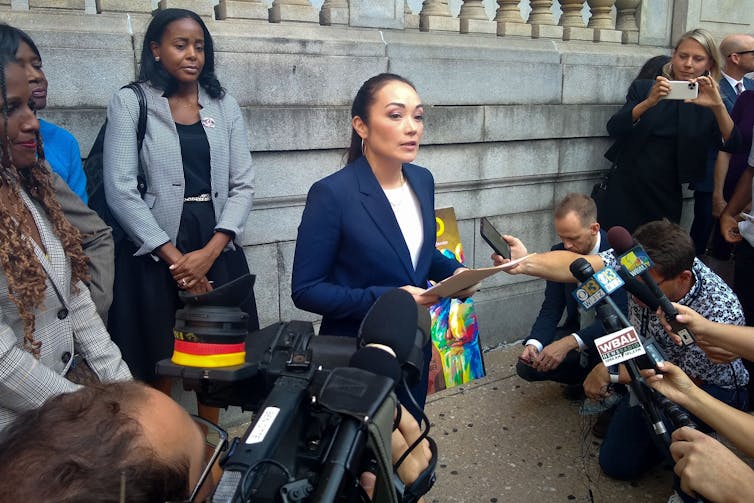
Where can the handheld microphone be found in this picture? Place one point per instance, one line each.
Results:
(636, 261)
(595, 288)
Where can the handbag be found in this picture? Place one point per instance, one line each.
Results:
(599, 189)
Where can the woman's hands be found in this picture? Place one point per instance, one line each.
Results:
(190, 270)
(709, 94)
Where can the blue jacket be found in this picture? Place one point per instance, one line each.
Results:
(350, 249)
(558, 296)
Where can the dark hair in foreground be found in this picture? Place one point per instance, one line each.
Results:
(668, 245)
(652, 67)
(11, 38)
(361, 103)
(25, 275)
(86, 446)
(152, 71)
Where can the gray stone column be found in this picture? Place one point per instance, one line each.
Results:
(474, 18)
(602, 22)
(293, 10)
(334, 12)
(509, 20)
(541, 20)
(242, 9)
(123, 6)
(572, 22)
(201, 7)
(411, 20)
(435, 15)
(626, 20)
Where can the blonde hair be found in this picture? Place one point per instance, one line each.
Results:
(707, 41)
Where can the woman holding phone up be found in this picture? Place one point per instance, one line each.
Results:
(663, 143)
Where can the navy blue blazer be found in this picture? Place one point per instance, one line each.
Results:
(728, 94)
(558, 296)
(350, 249)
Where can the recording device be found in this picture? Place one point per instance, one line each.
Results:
(493, 238)
(682, 90)
(635, 260)
(323, 406)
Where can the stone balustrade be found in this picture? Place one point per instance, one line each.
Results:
(435, 15)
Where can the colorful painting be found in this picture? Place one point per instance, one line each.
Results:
(456, 354)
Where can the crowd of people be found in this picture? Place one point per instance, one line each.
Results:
(84, 315)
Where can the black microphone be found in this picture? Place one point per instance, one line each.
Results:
(392, 321)
(638, 289)
(583, 271)
(623, 244)
(377, 361)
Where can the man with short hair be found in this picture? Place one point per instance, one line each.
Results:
(566, 353)
(738, 53)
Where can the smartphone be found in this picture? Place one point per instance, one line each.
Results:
(682, 90)
(493, 238)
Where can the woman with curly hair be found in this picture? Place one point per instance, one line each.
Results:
(48, 322)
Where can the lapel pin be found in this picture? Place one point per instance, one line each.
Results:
(208, 122)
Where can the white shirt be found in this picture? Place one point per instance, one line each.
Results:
(407, 212)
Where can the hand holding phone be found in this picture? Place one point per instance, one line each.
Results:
(682, 90)
(493, 238)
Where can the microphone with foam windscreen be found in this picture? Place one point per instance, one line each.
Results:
(377, 361)
(634, 259)
(397, 321)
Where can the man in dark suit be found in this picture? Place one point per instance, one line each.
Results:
(738, 60)
(565, 353)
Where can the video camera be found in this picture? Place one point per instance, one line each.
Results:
(319, 421)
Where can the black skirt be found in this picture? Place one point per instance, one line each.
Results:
(145, 296)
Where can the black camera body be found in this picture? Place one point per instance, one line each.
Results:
(311, 434)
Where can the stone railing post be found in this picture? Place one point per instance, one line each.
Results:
(626, 20)
(410, 19)
(293, 10)
(541, 20)
(242, 9)
(201, 7)
(474, 18)
(334, 12)
(144, 6)
(602, 22)
(435, 15)
(509, 20)
(572, 22)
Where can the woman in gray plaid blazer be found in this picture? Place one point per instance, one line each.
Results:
(47, 317)
(196, 161)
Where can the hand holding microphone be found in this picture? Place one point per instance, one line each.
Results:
(635, 260)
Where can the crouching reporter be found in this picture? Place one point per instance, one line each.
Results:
(128, 442)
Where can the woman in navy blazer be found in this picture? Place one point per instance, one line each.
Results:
(370, 227)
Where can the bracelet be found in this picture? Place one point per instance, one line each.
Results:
(614, 378)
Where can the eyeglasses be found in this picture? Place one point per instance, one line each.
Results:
(216, 440)
(741, 52)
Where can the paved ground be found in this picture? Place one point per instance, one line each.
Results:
(502, 439)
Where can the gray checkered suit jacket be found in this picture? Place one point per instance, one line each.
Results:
(154, 220)
(66, 323)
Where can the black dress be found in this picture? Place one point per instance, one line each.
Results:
(664, 149)
(145, 296)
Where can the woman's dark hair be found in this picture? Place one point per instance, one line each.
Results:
(87, 446)
(652, 67)
(361, 103)
(153, 72)
(11, 38)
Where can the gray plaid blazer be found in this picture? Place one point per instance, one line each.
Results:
(66, 323)
(154, 220)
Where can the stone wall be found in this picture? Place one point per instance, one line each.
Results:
(513, 123)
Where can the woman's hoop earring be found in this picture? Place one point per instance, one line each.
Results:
(362, 146)
(157, 59)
